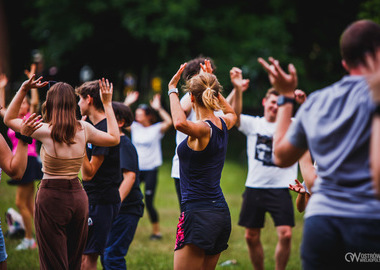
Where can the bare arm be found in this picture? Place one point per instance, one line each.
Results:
(195, 129)
(11, 116)
(90, 168)
(307, 170)
(285, 153)
(112, 136)
(125, 188)
(15, 165)
(229, 114)
(167, 120)
(35, 99)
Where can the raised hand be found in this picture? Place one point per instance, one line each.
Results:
(32, 71)
(106, 90)
(131, 98)
(236, 76)
(206, 67)
(155, 103)
(283, 82)
(174, 81)
(298, 187)
(31, 83)
(3, 80)
(31, 124)
(300, 96)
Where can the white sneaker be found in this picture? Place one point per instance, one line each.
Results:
(27, 244)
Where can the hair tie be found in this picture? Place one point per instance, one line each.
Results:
(208, 88)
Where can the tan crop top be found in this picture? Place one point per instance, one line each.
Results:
(54, 165)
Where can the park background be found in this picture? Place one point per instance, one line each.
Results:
(139, 45)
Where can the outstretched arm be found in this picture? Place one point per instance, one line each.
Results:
(286, 154)
(131, 98)
(167, 120)
(302, 197)
(3, 83)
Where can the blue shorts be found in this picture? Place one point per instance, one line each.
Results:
(3, 253)
(100, 219)
(205, 224)
(340, 243)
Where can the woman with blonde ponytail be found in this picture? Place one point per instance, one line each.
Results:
(205, 224)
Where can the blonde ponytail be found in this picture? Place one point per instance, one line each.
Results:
(210, 99)
(205, 88)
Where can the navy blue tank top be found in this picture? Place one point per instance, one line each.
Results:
(200, 171)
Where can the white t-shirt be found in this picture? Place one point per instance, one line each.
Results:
(147, 141)
(262, 173)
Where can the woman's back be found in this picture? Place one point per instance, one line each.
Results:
(61, 160)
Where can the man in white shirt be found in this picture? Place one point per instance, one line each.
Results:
(266, 184)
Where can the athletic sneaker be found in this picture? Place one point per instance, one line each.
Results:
(27, 244)
(155, 237)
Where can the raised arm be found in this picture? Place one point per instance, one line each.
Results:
(229, 114)
(111, 137)
(195, 129)
(285, 154)
(131, 98)
(239, 84)
(167, 120)
(35, 99)
(11, 116)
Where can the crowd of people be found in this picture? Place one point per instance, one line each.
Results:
(333, 139)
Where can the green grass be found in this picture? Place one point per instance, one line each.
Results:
(146, 254)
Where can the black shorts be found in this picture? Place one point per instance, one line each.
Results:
(32, 173)
(256, 202)
(207, 226)
(101, 217)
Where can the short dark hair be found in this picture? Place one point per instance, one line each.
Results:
(193, 66)
(122, 112)
(91, 89)
(358, 39)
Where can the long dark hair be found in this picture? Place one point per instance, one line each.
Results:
(59, 111)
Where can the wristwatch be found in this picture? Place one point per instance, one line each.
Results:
(173, 90)
(281, 100)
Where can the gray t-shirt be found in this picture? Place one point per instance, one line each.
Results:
(335, 125)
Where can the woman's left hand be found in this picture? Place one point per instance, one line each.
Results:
(30, 125)
(32, 83)
(174, 81)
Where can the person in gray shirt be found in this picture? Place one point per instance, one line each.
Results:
(342, 219)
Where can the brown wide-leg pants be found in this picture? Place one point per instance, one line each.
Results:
(61, 222)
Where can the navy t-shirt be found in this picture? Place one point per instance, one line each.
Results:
(200, 171)
(103, 187)
(133, 203)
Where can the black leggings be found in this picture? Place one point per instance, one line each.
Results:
(150, 179)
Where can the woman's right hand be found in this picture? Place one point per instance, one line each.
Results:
(106, 90)
(174, 81)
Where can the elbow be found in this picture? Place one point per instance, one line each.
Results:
(282, 161)
(17, 175)
(179, 124)
(115, 141)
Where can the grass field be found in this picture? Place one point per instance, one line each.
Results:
(146, 254)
